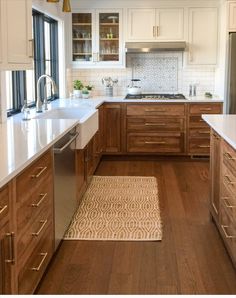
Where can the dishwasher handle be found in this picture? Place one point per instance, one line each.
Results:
(61, 149)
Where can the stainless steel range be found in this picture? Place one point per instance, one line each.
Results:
(155, 96)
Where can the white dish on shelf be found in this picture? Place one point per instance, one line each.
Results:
(113, 18)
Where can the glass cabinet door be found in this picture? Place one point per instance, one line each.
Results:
(109, 38)
(82, 36)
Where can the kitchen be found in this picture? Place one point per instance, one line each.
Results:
(125, 103)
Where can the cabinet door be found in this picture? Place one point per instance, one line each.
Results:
(141, 24)
(5, 264)
(215, 174)
(232, 17)
(108, 25)
(112, 128)
(203, 36)
(19, 34)
(82, 37)
(170, 24)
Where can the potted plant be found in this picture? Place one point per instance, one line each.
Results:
(78, 86)
(85, 93)
(90, 89)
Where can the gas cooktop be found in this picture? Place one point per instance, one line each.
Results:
(155, 96)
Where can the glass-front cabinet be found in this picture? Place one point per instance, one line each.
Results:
(96, 38)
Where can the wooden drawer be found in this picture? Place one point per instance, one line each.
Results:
(4, 203)
(30, 235)
(199, 109)
(28, 212)
(155, 124)
(199, 133)
(228, 201)
(197, 121)
(229, 157)
(229, 180)
(155, 109)
(30, 275)
(228, 230)
(33, 177)
(199, 146)
(155, 143)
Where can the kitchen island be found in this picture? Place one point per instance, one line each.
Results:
(223, 177)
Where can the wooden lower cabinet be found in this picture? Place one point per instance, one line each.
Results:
(7, 243)
(215, 160)
(112, 127)
(34, 222)
(198, 132)
(223, 189)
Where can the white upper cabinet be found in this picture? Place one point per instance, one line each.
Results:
(1, 34)
(232, 17)
(97, 38)
(141, 24)
(17, 37)
(155, 24)
(203, 36)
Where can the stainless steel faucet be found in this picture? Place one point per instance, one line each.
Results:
(39, 103)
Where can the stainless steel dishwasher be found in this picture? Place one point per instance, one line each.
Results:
(65, 202)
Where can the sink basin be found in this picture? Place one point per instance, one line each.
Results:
(87, 126)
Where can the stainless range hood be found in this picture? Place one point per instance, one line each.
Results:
(150, 47)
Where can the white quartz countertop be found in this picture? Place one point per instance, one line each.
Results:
(224, 125)
(24, 141)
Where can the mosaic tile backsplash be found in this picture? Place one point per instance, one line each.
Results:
(159, 72)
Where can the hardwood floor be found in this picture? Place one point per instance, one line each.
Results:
(191, 258)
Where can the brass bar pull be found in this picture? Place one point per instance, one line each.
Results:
(203, 146)
(44, 256)
(31, 45)
(43, 196)
(157, 143)
(2, 209)
(157, 31)
(205, 109)
(11, 237)
(229, 180)
(203, 132)
(225, 232)
(153, 110)
(228, 156)
(226, 201)
(154, 31)
(155, 124)
(44, 222)
(41, 170)
(201, 120)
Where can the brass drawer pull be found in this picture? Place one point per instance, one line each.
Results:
(158, 143)
(201, 120)
(225, 232)
(204, 132)
(155, 124)
(228, 180)
(154, 31)
(43, 222)
(41, 170)
(154, 110)
(11, 237)
(228, 156)
(205, 109)
(44, 256)
(43, 196)
(226, 201)
(2, 209)
(203, 146)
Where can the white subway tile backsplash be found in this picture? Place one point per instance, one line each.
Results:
(159, 72)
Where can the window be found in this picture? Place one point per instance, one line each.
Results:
(23, 83)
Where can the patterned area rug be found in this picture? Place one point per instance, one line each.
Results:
(118, 208)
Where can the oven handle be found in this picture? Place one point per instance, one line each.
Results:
(61, 149)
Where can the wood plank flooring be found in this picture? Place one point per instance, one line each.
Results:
(191, 258)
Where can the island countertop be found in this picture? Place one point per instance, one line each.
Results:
(224, 125)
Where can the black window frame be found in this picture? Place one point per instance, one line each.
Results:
(19, 91)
